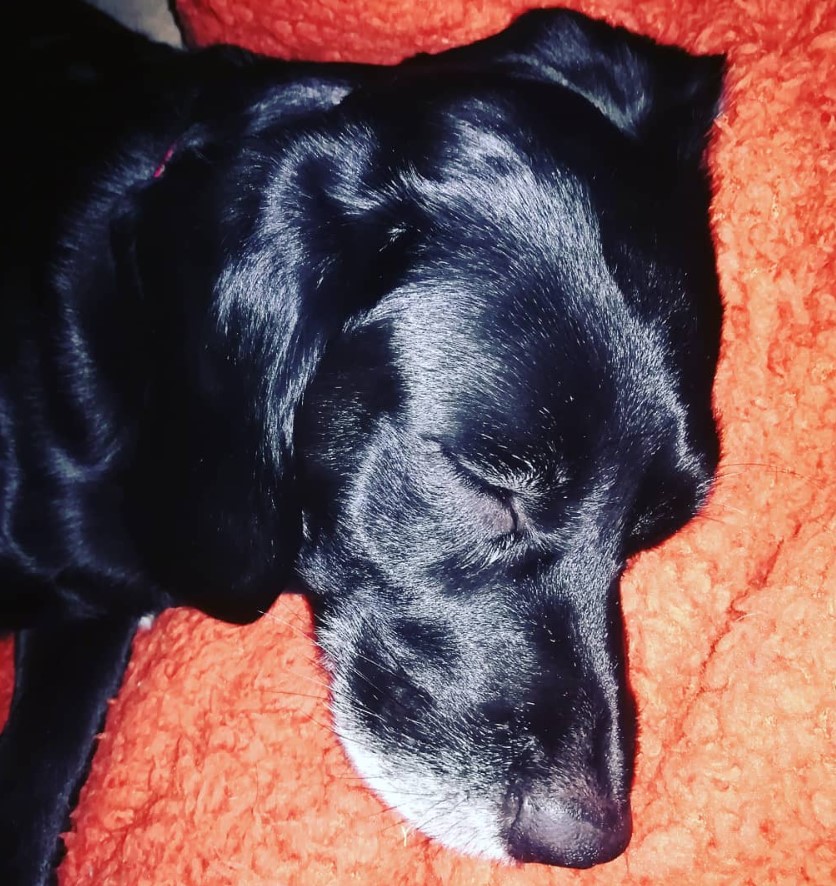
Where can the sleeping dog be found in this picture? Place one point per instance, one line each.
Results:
(436, 340)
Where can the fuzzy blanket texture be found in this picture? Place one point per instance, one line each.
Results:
(217, 764)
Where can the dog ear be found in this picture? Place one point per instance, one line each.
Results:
(657, 94)
(248, 261)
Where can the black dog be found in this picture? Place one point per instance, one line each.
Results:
(437, 339)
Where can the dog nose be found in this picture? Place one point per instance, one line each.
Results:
(547, 828)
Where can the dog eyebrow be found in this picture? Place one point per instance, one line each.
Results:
(508, 470)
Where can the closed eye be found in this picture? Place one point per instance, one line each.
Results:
(495, 506)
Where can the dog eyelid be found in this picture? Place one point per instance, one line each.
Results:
(498, 504)
(499, 495)
(478, 473)
(498, 507)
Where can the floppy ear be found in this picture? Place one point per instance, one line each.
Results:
(248, 260)
(658, 94)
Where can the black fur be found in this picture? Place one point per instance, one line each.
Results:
(436, 339)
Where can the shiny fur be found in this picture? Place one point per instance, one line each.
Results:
(437, 340)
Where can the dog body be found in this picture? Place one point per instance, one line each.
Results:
(437, 340)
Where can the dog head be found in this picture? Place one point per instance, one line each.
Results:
(526, 405)
(472, 306)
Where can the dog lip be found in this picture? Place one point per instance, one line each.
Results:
(511, 808)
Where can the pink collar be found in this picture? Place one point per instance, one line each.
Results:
(166, 157)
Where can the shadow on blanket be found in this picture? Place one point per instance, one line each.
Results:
(218, 765)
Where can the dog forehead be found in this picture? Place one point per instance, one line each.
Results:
(521, 338)
(544, 389)
(509, 321)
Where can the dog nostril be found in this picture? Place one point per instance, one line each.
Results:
(547, 829)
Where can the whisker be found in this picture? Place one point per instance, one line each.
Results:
(309, 678)
(745, 467)
(295, 694)
(709, 518)
(433, 814)
(271, 615)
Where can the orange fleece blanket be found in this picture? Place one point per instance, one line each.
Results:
(217, 765)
